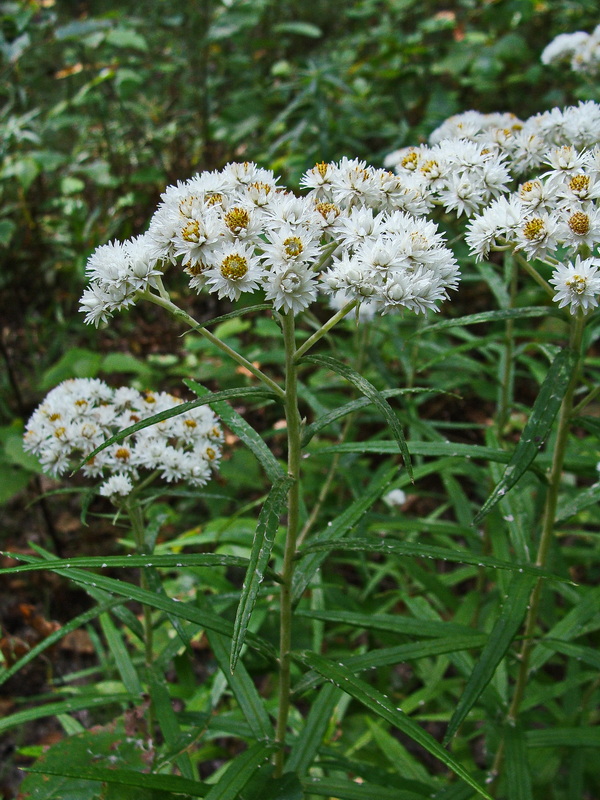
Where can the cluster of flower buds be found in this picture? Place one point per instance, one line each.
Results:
(580, 49)
(79, 415)
(237, 231)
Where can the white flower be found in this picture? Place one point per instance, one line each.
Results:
(234, 269)
(394, 498)
(578, 284)
(79, 415)
(118, 485)
(291, 287)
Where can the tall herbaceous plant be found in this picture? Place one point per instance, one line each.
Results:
(360, 243)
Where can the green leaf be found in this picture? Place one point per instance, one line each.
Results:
(125, 37)
(339, 527)
(262, 545)
(348, 408)
(167, 720)
(158, 561)
(243, 688)
(124, 777)
(393, 623)
(299, 28)
(306, 746)
(504, 631)
(7, 229)
(403, 652)
(122, 658)
(245, 432)
(89, 701)
(239, 772)
(448, 449)
(564, 737)
(583, 499)
(77, 362)
(518, 777)
(182, 408)
(526, 312)
(383, 707)
(374, 395)
(350, 790)
(393, 547)
(537, 428)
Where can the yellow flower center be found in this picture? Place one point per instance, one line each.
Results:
(528, 186)
(190, 423)
(210, 454)
(237, 219)
(149, 398)
(123, 453)
(579, 223)
(321, 168)
(195, 269)
(410, 160)
(579, 183)
(293, 246)
(234, 267)
(577, 284)
(214, 199)
(191, 231)
(429, 166)
(54, 417)
(81, 403)
(60, 432)
(327, 208)
(534, 229)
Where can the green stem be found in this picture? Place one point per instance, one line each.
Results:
(530, 270)
(293, 516)
(166, 303)
(507, 366)
(560, 446)
(312, 340)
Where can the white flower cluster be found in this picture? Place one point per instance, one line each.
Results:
(473, 157)
(580, 49)
(237, 231)
(555, 217)
(79, 415)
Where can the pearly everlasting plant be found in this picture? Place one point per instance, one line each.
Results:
(237, 232)
(79, 415)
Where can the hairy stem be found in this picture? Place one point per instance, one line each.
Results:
(293, 515)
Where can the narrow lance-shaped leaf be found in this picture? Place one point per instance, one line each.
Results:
(239, 772)
(355, 405)
(182, 408)
(504, 631)
(376, 397)
(393, 547)
(246, 432)
(537, 428)
(526, 312)
(158, 561)
(128, 777)
(262, 545)
(518, 777)
(383, 707)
